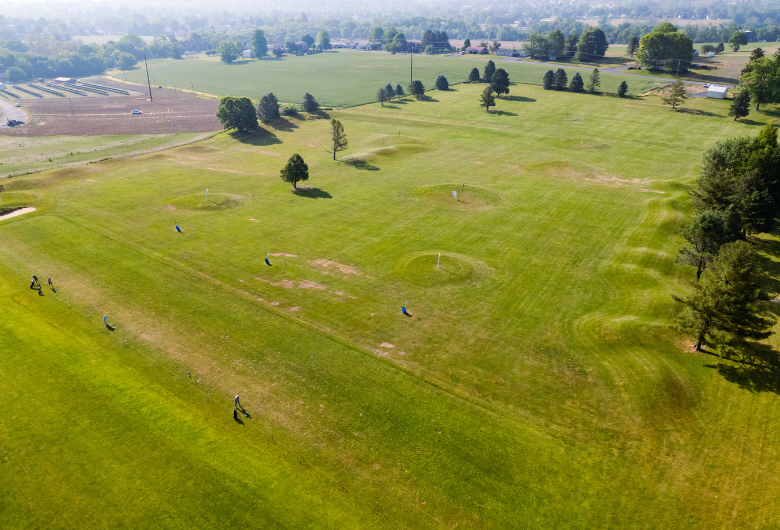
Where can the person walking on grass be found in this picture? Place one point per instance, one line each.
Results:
(237, 403)
(34, 284)
(51, 285)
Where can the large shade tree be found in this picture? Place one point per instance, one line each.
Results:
(667, 48)
(237, 113)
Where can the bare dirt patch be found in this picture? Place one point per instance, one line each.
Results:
(328, 264)
(308, 284)
(651, 191)
(284, 254)
(293, 309)
(287, 284)
(255, 220)
(615, 182)
(110, 115)
(386, 345)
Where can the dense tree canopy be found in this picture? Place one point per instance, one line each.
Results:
(666, 48)
(561, 80)
(490, 68)
(237, 113)
(727, 300)
(259, 45)
(309, 103)
(500, 82)
(761, 78)
(576, 85)
(416, 89)
(548, 81)
(229, 51)
(268, 109)
(593, 44)
(295, 171)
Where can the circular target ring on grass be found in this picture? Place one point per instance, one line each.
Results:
(469, 197)
(420, 268)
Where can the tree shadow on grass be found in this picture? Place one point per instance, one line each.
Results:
(283, 124)
(759, 372)
(772, 249)
(519, 98)
(403, 101)
(503, 113)
(312, 193)
(697, 112)
(429, 98)
(359, 164)
(749, 122)
(259, 137)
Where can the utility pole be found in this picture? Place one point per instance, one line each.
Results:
(149, 83)
(411, 65)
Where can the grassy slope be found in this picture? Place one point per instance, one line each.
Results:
(544, 389)
(360, 75)
(37, 153)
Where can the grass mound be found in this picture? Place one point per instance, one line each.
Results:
(215, 201)
(388, 145)
(420, 269)
(469, 198)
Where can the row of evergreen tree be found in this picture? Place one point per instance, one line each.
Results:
(736, 195)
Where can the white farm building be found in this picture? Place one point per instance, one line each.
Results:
(718, 92)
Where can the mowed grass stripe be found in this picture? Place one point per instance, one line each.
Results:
(410, 425)
(123, 434)
(592, 416)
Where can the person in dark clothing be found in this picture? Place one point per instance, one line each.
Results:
(235, 414)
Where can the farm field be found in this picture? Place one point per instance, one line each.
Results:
(31, 154)
(363, 73)
(169, 112)
(536, 382)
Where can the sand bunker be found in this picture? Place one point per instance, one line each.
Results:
(16, 213)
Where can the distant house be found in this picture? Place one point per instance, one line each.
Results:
(710, 54)
(695, 53)
(374, 45)
(414, 46)
(476, 49)
(247, 54)
(507, 52)
(303, 47)
(69, 80)
(717, 92)
(339, 45)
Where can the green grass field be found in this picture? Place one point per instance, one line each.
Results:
(358, 75)
(536, 384)
(37, 153)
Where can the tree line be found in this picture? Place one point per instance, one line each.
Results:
(736, 196)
